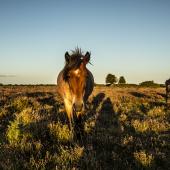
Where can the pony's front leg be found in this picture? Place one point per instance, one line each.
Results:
(69, 111)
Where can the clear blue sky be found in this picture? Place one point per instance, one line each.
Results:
(129, 38)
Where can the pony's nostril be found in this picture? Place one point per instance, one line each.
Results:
(74, 107)
(78, 107)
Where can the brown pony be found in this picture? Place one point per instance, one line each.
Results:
(75, 83)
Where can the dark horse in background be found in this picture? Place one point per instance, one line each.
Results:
(167, 84)
(75, 84)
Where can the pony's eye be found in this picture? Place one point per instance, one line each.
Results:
(68, 76)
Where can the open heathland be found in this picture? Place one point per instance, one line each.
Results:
(124, 128)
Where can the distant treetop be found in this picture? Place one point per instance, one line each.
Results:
(122, 80)
(111, 79)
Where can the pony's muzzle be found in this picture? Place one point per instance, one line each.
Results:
(78, 107)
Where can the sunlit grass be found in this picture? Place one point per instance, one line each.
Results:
(14, 133)
(20, 103)
(157, 112)
(144, 158)
(150, 125)
(60, 132)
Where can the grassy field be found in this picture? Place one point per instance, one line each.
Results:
(124, 128)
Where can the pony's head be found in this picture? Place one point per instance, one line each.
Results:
(75, 74)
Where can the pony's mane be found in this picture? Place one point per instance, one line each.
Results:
(74, 62)
(77, 52)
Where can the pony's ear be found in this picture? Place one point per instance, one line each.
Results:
(87, 57)
(67, 57)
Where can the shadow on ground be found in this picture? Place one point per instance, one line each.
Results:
(112, 144)
(139, 94)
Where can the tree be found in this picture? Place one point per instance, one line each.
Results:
(122, 80)
(111, 79)
(149, 84)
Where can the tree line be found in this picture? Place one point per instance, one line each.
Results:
(112, 79)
